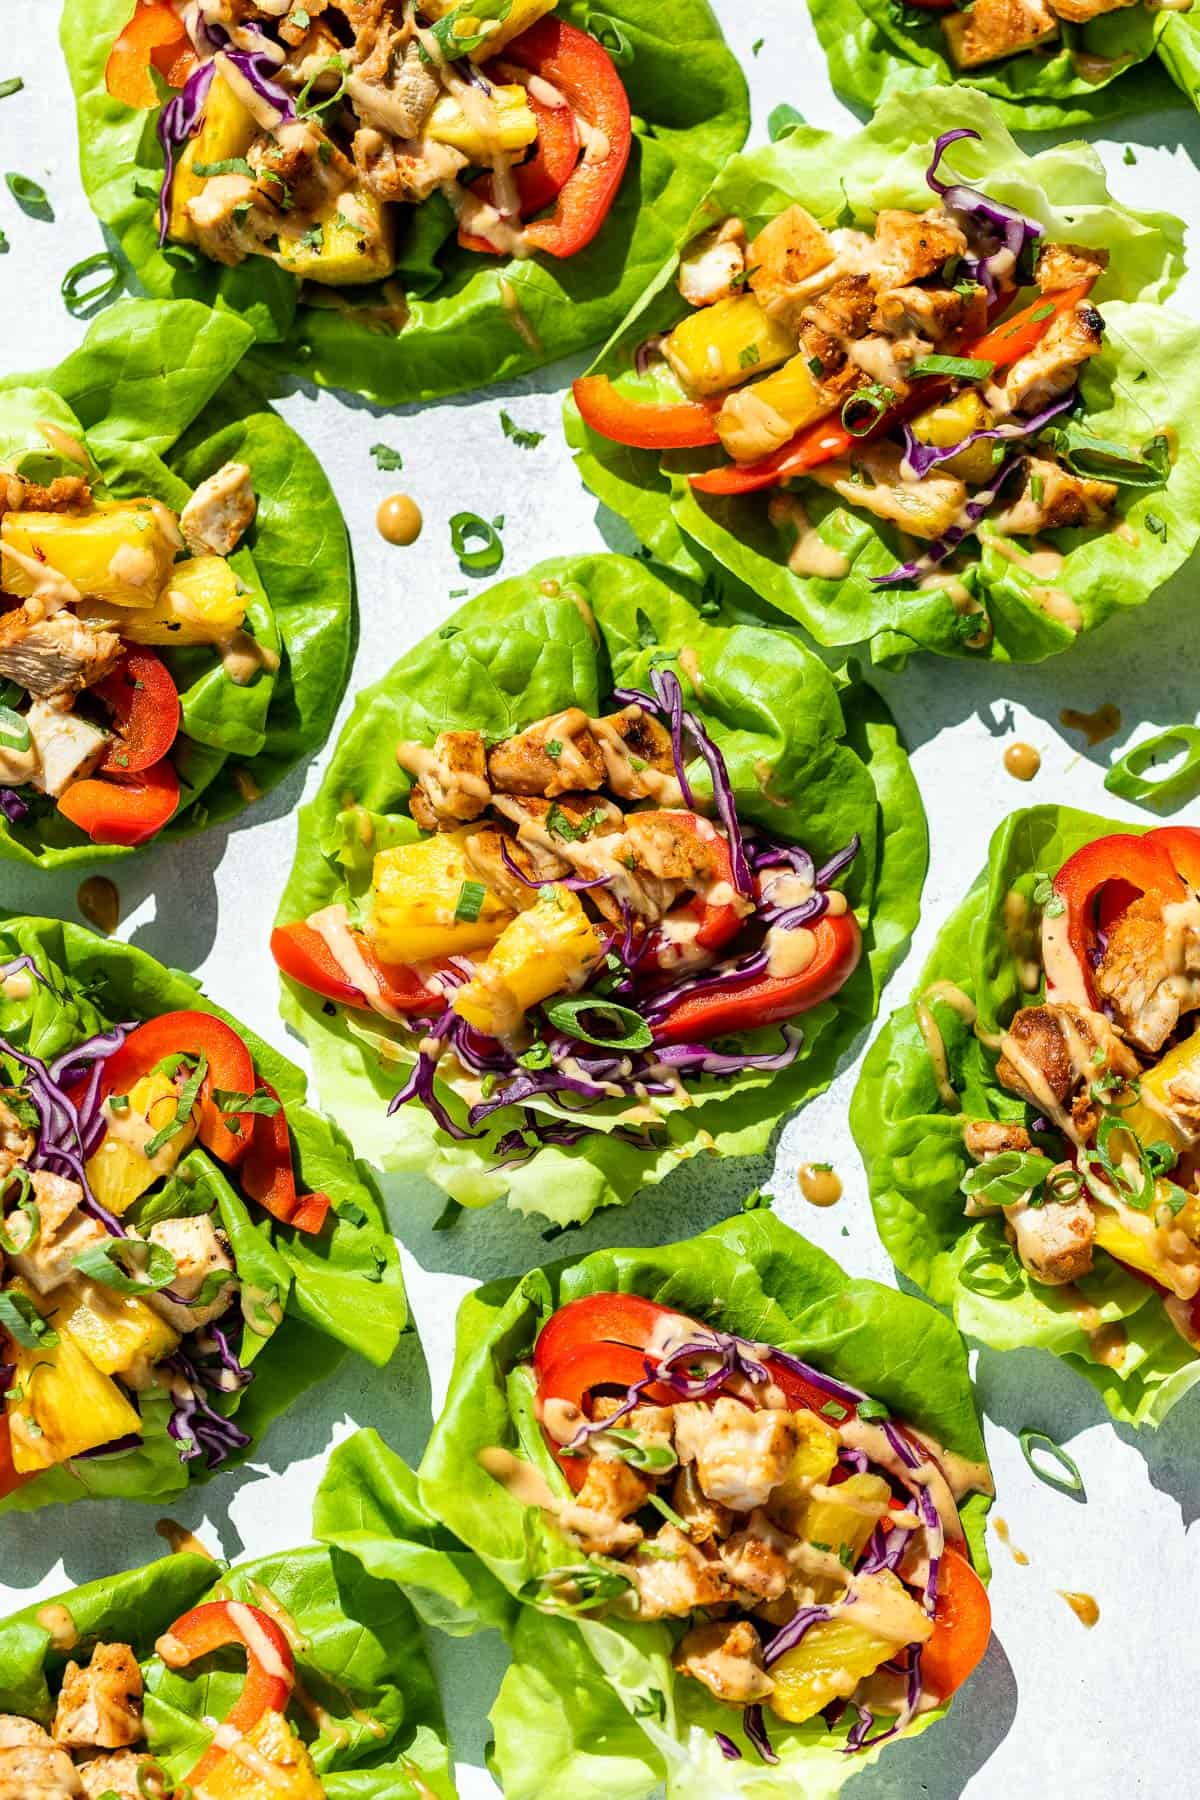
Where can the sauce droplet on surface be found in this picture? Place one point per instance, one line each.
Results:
(399, 519)
(180, 1540)
(1105, 722)
(1022, 761)
(1000, 1527)
(100, 903)
(1084, 1606)
(819, 1184)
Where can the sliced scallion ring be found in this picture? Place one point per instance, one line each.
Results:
(467, 528)
(966, 368)
(14, 731)
(608, 32)
(1179, 782)
(1071, 1481)
(81, 296)
(863, 409)
(633, 1033)
(28, 1205)
(30, 196)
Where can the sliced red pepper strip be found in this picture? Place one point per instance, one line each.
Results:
(270, 1667)
(643, 424)
(962, 1627)
(717, 924)
(1102, 878)
(586, 76)
(230, 1066)
(144, 703)
(122, 809)
(539, 180)
(155, 37)
(311, 1212)
(770, 999)
(302, 953)
(10, 1477)
(1014, 337)
(823, 442)
(268, 1176)
(608, 1318)
(573, 1376)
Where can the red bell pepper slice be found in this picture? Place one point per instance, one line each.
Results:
(230, 1066)
(122, 809)
(539, 180)
(962, 1627)
(10, 1477)
(1023, 331)
(155, 37)
(771, 999)
(718, 924)
(144, 703)
(586, 76)
(573, 1376)
(270, 1667)
(607, 1318)
(302, 953)
(643, 424)
(267, 1174)
(1100, 881)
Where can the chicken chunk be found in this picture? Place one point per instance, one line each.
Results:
(54, 655)
(928, 312)
(1063, 266)
(220, 512)
(667, 849)
(705, 1519)
(672, 1576)
(66, 493)
(300, 171)
(1053, 497)
(38, 1772)
(713, 266)
(1056, 1052)
(556, 756)
(992, 1137)
(911, 246)
(1082, 12)
(1054, 1240)
(756, 1561)
(740, 1456)
(117, 1775)
(599, 1517)
(1052, 366)
(828, 324)
(65, 1231)
(485, 851)
(16, 1730)
(451, 779)
(727, 1658)
(402, 170)
(101, 1706)
(631, 738)
(788, 253)
(231, 218)
(1150, 969)
(16, 1140)
(67, 747)
(199, 1251)
(926, 508)
(394, 95)
(996, 28)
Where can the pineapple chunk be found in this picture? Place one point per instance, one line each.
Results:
(951, 421)
(227, 133)
(1143, 1117)
(547, 950)
(524, 14)
(202, 603)
(120, 551)
(815, 1459)
(516, 126)
(351, 239)
(273, 1765)
(847, 1521)
(759, 419)
(416, 891)
(722, 345)
(1170, 1257)
(118, 1332)
(119, 1171)
(835, 1655)
(66, 1404)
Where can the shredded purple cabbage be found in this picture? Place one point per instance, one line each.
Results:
(754, 1725)
(728, 1748)
(794, 1632)
(12, 806)
(920, 458)
(195, 1424)
(577, 883)
(1004, 232)
(973, 512)
(182, 117)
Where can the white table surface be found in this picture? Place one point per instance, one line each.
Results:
(1054, 1709)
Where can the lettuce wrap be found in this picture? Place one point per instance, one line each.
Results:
(306, 1296)
(591, 1705)
(371, 1719)
(912, 1141)
(155, 397)
(1137, 385)
(448, 319)
(1129, 61)
(811, 758)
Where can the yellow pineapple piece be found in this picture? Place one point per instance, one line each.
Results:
(121, 551)
(721, 346)
(1144, 1117)
(227, 133)
(815, 1459)
(832, 1658)
(845, 1517)
(350, 239)
(524, 14)
(417, 891)
(949, 422)
(119, 1171)
(272, 1765)
(64, 1403)
(202, 603)
(118, 1332)
(516, 126)
(759, 419)
(547, 950)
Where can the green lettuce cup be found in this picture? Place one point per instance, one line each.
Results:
(592, 1703)
(910, 1115)
(156, 401)
(445, 319)
(812, 759)
(362, 1715)
(1131, 61)
(141, 1371)
(1136, 388)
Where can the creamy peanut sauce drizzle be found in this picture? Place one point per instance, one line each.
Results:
(1022, 761)
(820, 1185)
(55, 1619)
(935, 1045)
(1096, 726)
(64, 444)
(180, 1541)
(1085, 1606)
(1000, 1527)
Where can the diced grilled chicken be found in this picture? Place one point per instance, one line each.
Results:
(230, 217)
(101, 1706)
(1150, 969)
(66, 493)
(653, 1426)
(404, 171)
(756, 1561)
(117, 1775)
(911, 246)
(1063, 266)
(1057, 1052)
(992, 1137)
(1053, 497)
(727, 1658)
(925, 508)
(65, 746)
(199, 1251)
(394, 95)
(562, 825)
(996, 28)
(928, 312)
(599, 1517)
(673, 1576)
(16, 1730)
(38, 1772)
(1052, 366)
(65, 1231)
(220, 511)
(665, 848)
(786, 261)
(714, 264)
(836, 318)
(740, 1456)
(451, 784)
(706, 1519)
(556, 756)
(1082, 12)
(485, 850)
(299, 169)
(631, 738)
(55, 655)
(1054, 1240)
(16, 1140)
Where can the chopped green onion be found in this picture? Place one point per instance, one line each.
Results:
(631, 1031)
(118, 1103)
(876, 399)
(992, 1277)
(873, 1409)
(14, 730)
(833, 1409)
(111, 1261)
(1006, 1179)
(1155, 526)
(487, 557)
(558, 824)
(595, 1582)
(460, 32)
(1037, 489)
(785, 118)
(749, 357)
(847, 1556)
(553, 748)
(80, 300)
(471, 896)
(668, 1512)
(386, 457)
(966, 368)
(631, 1448)
(1040, 312)
(609, 33)
(231, 165)
(1071, 1482)
(523, 439)
(24, 1323)
(27, 1205)
(319, 106)
(1179, 783)
(536, 1057)
(30, 196)
(229, 1100)
(188, 1095)
(13, 85)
